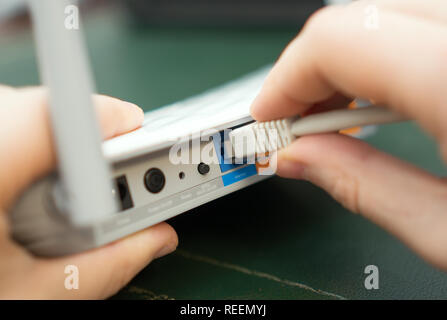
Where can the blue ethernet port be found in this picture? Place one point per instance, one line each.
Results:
(224, 155)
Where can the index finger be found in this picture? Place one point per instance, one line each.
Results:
(400, 61)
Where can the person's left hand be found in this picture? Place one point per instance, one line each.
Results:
(27, 153)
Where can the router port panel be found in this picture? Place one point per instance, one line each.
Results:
(178, 177)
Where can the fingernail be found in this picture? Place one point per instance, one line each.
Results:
(166, 250)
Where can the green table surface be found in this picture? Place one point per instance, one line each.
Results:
(279, 239)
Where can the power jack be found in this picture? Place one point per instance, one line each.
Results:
(154, 180)
(203, 168)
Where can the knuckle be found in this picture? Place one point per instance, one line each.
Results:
(345, 189)
(318, 20)
(321, 29)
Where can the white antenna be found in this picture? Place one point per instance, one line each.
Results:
(85, 174)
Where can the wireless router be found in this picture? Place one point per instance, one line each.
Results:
(104, 191)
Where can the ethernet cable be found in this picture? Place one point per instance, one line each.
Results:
(260, 138)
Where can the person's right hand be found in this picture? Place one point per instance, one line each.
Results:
(403, 64)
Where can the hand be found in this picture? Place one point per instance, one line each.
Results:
(27, 154)
(402, 63)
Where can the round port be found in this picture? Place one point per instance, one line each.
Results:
(154, 180)
(181, 175)
(203, 168)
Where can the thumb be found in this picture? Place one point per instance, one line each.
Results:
(102, 272)
(25, 134)
(407, 201)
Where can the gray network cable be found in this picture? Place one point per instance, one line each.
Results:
(259, 138)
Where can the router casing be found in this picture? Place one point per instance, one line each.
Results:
(198, 125)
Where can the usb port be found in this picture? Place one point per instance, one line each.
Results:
(124, 193)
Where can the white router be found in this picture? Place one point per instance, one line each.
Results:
(105, 191)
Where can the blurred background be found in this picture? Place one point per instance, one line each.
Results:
(155, 52)
(211, 12)
(139, 42)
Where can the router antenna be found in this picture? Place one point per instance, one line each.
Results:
(84, 172)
